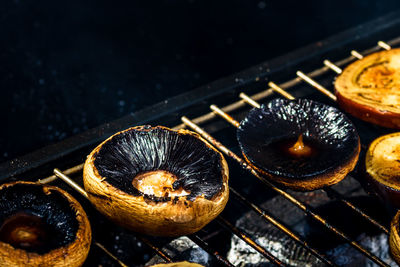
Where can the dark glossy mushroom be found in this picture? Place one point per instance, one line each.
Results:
(369, 88)
(41, 226)
(394, 238)
(382, 165)
(302, 144)
(157, 181)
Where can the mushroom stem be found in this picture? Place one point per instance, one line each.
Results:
(158, 183)
(299, 149)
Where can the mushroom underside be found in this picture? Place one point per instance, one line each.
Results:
(136, 156)
(268, 134)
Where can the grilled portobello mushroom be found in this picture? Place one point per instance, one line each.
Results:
(157, 181)
(301, 144)
(41, 226)
(369, 88)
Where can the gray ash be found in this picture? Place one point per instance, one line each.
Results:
(184, 249)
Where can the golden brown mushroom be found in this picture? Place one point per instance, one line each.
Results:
(369, 88)
(41, 226)
(382, 163)
(157, 181)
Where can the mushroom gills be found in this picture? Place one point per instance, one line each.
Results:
(298, 139)
(135, 160)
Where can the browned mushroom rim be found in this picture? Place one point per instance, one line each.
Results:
(160, 164)
(35, 218)
(382, 160)
(373, 81)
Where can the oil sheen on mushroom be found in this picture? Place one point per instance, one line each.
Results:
(323, 136)
(135, 154)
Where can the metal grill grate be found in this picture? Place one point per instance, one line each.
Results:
(238, 198)
(310, 78)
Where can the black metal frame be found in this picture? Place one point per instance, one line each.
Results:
(196, 102)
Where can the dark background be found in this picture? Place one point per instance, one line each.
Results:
(72, 65)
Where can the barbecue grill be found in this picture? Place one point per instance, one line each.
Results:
(344, 217)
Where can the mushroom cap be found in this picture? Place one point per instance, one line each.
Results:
(394, 238)
(199, 170)
(369, 88)
(65, 220)
(382, 166)
(266, 133)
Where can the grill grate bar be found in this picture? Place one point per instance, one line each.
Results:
(333, 193)
(288, 196)
(80, 190)
(201, 243)
(273, 221)
(54, 177)
(110, 254)
(332, 66)
(357, 55)
(155, 248)
(318, 86)
(226, 224)
(384, 45)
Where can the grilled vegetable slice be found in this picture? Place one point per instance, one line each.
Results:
(369, 89)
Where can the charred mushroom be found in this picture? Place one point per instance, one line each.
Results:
(369, 89)
(157, 181)
(394, 238)
(301, 144)
(41, 226)
(382, 165)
